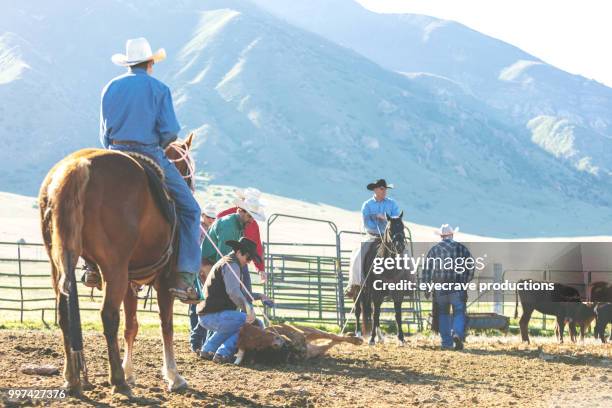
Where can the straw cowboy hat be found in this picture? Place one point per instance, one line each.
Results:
(446, 230)
(210, 211)
(253, 207)
(379, 183)
(248, 192)
(138, 50)
(246, 246)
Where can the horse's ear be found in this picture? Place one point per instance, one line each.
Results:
(189, 140)
(401, 214)
(388, 217)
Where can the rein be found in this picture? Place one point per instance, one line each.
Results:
(384, 244)
(185, 155)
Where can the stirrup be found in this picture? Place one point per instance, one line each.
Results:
(188, 296)
(91, 277)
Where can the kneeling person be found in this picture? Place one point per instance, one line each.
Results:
(223, 296)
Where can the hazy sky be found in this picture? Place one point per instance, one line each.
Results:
(573, 35)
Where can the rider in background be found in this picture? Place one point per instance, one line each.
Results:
(374, 212)
(137, 114)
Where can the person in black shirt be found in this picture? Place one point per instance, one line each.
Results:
(223, 296)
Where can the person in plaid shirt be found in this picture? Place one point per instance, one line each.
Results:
(436, 270)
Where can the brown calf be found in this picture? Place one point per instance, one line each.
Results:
(285, 343)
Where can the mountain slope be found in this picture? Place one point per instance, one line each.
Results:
(296, 115)
(503, 76)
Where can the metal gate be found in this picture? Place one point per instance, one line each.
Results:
(304, 282)
(307, 279)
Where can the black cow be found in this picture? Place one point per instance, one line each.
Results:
(551, 302)
(581, 315)
(604, 317)
(601, 292)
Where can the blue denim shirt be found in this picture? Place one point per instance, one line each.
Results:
(137, 107)
(371, 208)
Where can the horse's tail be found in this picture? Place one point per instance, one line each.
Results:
(66, 196)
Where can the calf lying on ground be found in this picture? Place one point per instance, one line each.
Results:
(604, 317)
(551, 302)
(285, 343)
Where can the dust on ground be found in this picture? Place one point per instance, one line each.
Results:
(489, 372)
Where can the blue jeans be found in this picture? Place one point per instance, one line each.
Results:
(451, 325)
(225, 326)
(197, 334)
(187, 208)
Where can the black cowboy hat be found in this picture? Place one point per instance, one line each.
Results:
(246, 246)
(379, 183)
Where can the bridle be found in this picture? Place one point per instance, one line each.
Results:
(393, 239)
(185, 155)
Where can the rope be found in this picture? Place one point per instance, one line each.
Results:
(357, 298)
(186, 157)
(246, 290)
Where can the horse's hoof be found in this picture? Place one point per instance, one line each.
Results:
(372, 343)
(401, 342)
(74, 390)
(178, 384)
(87, 386)
(122, 389)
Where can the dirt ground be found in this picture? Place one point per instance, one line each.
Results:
(491, 371)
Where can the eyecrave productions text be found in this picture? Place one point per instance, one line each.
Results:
(506, 285)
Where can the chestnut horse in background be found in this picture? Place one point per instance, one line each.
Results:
(98, 204)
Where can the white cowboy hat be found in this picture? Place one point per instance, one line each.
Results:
(253, 207)
(138, 50)
(245, 194)
(446, 230)
(210, 211)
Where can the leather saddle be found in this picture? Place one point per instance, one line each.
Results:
(156, 178)
(368, 257)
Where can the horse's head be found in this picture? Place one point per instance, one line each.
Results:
(394, 234)
(179, 152)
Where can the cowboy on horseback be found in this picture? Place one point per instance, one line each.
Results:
(137, 115)
(374, 211)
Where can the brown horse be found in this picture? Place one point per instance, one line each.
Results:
(98, 204)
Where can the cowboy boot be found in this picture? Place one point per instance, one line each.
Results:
(351, 291)
(184, 289)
